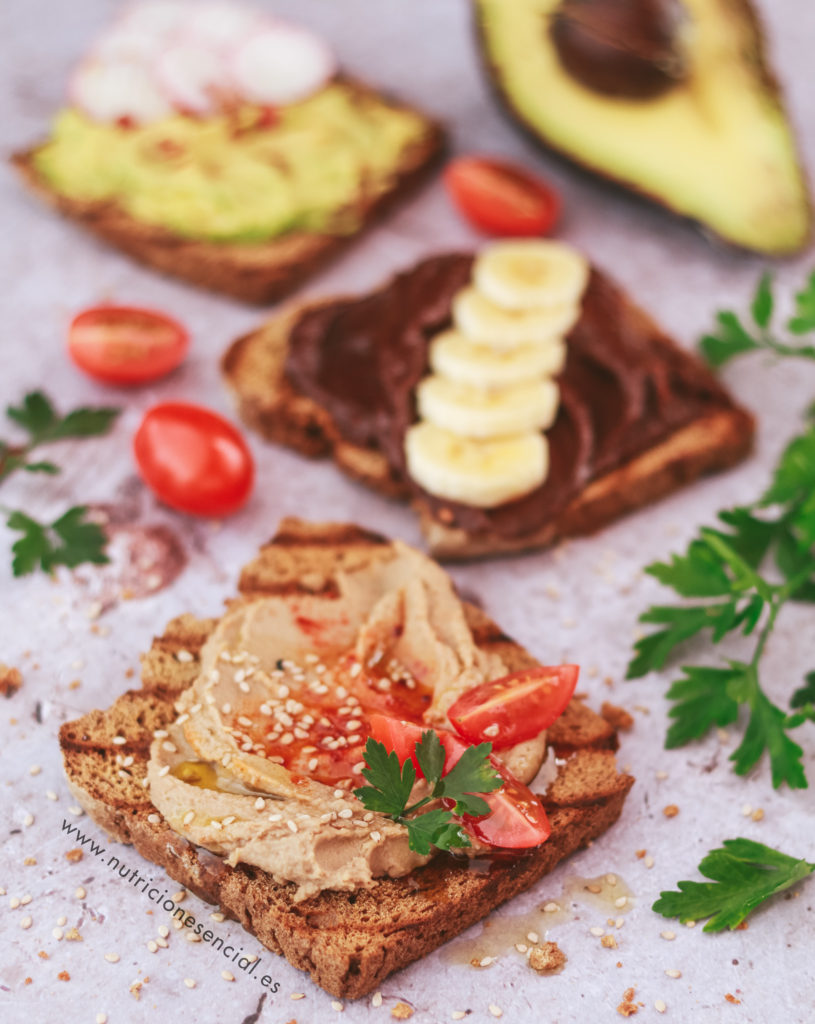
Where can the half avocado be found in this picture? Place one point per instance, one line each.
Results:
(672, 98)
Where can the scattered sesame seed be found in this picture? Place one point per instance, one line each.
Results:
(51, 795)
(35, 769)
(485, 961)
(112, 958)
(183, 656)
(611, 879)
(152, 945)
(260, 803)
(57, 933)
(293, 825)
(25, 900)
(80, 893)
(119, 741)
(346, 813)
(28, 820)
(376, 836)
(672, 972)
(747, 810)
(496, 1011)
(670, 936)
(189, 982)
(660, 1006)
(101, 1018)
(619, 922)
(179, 896)
(154, 819)
(376, 999)
(163, 771)
(217, 916)
(298, 995)
(227, 975)
(551, 907)
(188, 817)
(621, 901)
(597, 931)
(62, 920)
(521, 947)
(649, 861)
(275, 817)
(26, 922)
(690, 924)
(336, 1005)
(163, 943)
(14, 902)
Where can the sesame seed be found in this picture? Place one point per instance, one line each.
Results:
(690, 924)
(485, 961)
(28, 820)
(346, 813)
(189, 982)
(660, 1006)
(551, 907)
(621, 901)
(216, 915)
(669, 936)
(35, 769)
(376, 836)
(80, 893)
(57, 933)
(119, 741)
(163, 943)
(335, 1005)
(163, 931)
(298, 995)
(619, 922)
(25, 900)
(649, 861)
(152, 945)
(597, 931)
(496, 1011)
(458, 1014)
(101, 1018)
(662, 775)
(747, 810)
(179, 896)
(26, 922)
(154, 819)
(62, 920)
(292, 825)
(533, 937)
(188, 817)
(112, 958)
(260, 803)
(611, 879)
(192, 937)
(227, 975)
(521, 947)
(672, 972)
(312, 764)
(51, 795)
(163, 771)
(376, 999)
(14, 902)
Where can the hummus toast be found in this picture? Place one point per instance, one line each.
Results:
(348, 933)
(638, 417)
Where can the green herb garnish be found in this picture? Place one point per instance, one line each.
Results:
(744, 874)
(732, 337)
(70, 539)
(720, 570)
(391, 785)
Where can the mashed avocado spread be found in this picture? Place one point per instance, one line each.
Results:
(235, 177)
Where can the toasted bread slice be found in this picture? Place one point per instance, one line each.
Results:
(348, 942)
(254, 272)
(254, 369)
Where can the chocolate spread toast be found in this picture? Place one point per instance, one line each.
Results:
(639, 416)
(348, 942)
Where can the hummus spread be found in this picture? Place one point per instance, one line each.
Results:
(268, 744)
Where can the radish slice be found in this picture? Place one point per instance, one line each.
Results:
(160, 18)
(282, 64)
(127, 44)
(192, 77)
(221, 26)
(111, 92)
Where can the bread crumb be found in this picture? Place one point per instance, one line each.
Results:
(627, 1007)
(670, 811)
(74, 855)
(546, 957)
(617, 717)
(402, 1011)
(741, 927)
(758, 814)
(732, 999)
(639, 854)
(609, 942)
(29, 861)
(11, 680)
(72, 935)
(64, 976)
(135, 990)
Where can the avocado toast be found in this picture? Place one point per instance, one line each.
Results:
(347, 941)
(200, 166)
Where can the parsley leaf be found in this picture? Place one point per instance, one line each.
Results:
(743, 875)
(731, 337)
(391, 785)
(721, 573)
(70, 540)
(805, 694)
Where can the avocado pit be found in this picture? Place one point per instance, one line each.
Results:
(623, 48)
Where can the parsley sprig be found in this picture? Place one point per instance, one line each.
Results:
(391, 785)
(70, 539)
(732, 337)
(721, 570)
(743, 875)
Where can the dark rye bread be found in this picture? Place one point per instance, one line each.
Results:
(254, 371)
(348, 943)
(256, 272)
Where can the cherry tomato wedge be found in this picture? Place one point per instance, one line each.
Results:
(401, 736)
(517, 820)
(501, 198)
(126, 346)
(193, 459)
(516, 707)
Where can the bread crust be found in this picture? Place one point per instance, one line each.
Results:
(347, 942)
(257, 272)
(253, 369)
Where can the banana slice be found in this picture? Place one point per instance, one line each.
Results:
(479, 473)
(525, 274)
(473, 412)
(482, 322)
(481, 366)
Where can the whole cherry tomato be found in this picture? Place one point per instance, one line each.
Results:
(126, 346)
(193, 459)
(501, 198)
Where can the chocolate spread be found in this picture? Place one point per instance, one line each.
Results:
(624, 387)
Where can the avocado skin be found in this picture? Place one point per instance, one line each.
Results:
(760, 68)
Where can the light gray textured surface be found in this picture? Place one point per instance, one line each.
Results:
(423, 51)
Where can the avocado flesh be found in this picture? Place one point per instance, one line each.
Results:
(716, 147)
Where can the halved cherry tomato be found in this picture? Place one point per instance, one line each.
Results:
(194, 459)
(516, 707)
(517, 820)
(124, 345)
(501, 198)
